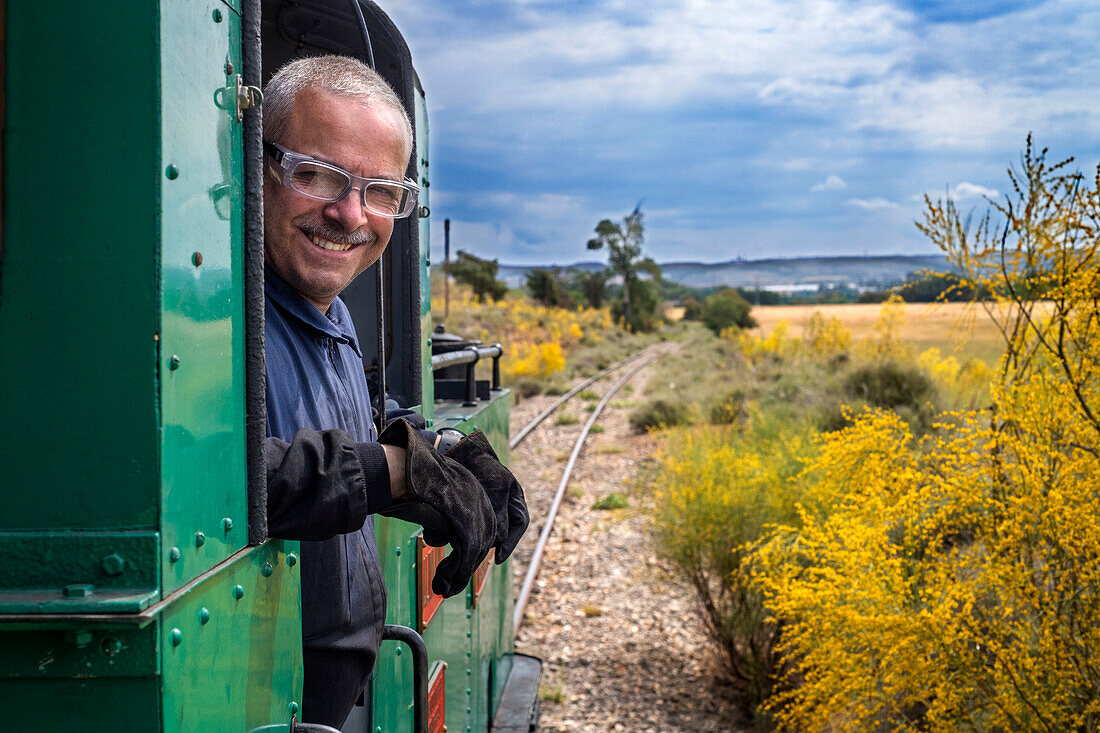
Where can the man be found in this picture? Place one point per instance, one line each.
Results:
(337, 141)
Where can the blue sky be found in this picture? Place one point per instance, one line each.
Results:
(749, 128)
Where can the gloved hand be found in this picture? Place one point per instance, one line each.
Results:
(443, 497)
(504, 492)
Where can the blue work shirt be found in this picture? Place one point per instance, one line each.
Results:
(315, 380)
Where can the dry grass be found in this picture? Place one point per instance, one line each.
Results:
(962, 329)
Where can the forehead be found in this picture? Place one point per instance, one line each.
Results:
(367, 139)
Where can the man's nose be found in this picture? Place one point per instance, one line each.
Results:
(348, 211)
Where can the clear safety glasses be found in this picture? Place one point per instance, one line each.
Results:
(311, 177)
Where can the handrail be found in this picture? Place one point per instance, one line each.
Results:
(470, 356)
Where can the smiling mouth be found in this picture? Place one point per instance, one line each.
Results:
(326, 244)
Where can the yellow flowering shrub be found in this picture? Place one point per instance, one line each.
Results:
(827, 336)
(536, 338)
(953, 582)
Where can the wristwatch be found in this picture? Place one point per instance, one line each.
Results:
(448, 438)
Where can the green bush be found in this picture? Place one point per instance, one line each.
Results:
(611, 501)
(726, 309)
(890, 385)
(659, 414)
(729, 409)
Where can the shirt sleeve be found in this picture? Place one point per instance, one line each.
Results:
(323, 483)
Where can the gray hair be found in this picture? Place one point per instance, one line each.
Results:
(339, 75)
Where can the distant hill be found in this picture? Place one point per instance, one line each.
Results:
(799, 273)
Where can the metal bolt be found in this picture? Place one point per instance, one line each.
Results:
(79, 638)
(267, 570)
(174, 362)
(397, 551)
(113, 564)
(173, 172)
(204, 615)
(469, 654)
(291, 560)
(468, 614)
(468, 634)
(397, 652)
(174, 554)
(200, 539)
(217, 16)
(469, 672)
(227, 524)
(177, 637)
(110, 646)
(238, 592)
(293, 708)
(196, 259)
(78, 590)
(468, 691)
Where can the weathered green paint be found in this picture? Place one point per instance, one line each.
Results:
(201, 401)
(242, 668)
(78, 319)
(38, 565)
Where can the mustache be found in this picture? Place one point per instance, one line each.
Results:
(335, 233)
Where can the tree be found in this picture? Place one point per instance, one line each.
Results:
(592, 285)
(479, 274)
(624, 255)
(547, 288)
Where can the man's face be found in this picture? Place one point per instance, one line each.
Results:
(319, 247)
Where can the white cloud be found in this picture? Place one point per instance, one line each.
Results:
(967, 190)
(831, 183)
(872, 204)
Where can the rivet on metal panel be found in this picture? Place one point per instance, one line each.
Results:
(79, 638)
(469, 691)
(217, 14)
(377, 729)
(292, 707)
(200, 539)
(174, 554)
(291, 559)
(468, 614)
(469, 672)
(173, 172)
(229, 68)
(113, 564)
(469, 710)
(238, 592)
(111, 646)
(177, 637)
(267, 570)
(468, 634)
(468, 654)
(78, 590)
(397, 552)
(196, 259)
(204, 615)
(227, 524)
(397, 652)
(174, 362)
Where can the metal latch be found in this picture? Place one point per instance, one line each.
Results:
(248, 97)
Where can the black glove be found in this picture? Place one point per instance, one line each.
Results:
(504, 492)
(448, 502)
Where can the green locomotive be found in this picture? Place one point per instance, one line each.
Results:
(138, 588)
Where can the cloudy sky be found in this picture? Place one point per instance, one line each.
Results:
(749, 128)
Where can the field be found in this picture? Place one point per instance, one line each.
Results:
(963, 330)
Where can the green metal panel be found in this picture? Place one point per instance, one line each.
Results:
(103, 704)
(202, 325)
(241, 668)
(471, 641)
(79, 315)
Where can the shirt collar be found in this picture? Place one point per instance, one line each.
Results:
(336, 324)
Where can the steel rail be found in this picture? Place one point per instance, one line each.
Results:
(550, 410)
(544, 535)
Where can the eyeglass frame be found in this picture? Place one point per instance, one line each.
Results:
(288, 160)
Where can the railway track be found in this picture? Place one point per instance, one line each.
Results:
(633, 364)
